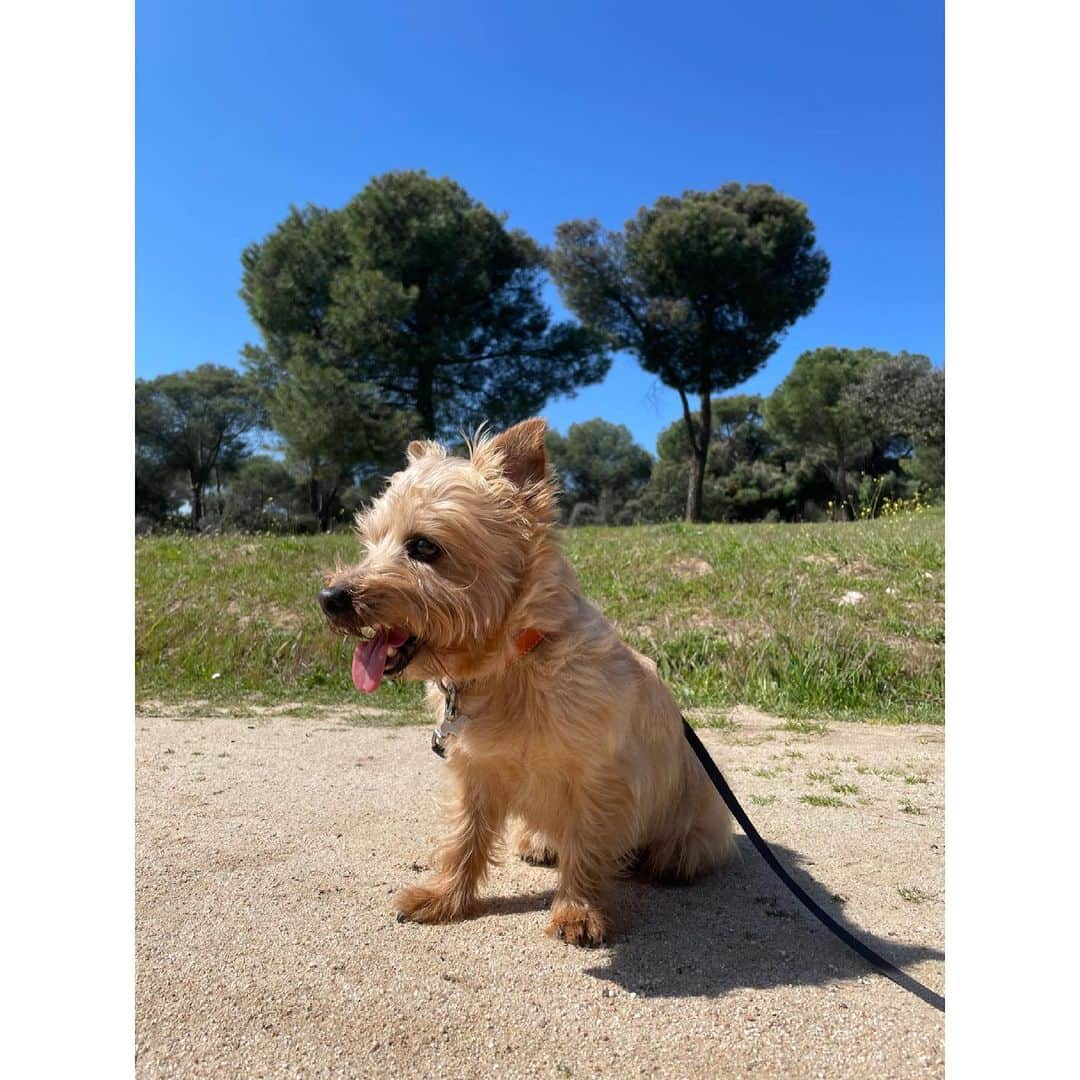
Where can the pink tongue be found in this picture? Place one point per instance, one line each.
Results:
(369, 659)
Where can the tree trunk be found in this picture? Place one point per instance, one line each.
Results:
(841, 480)
(699, 453)
(695, 489)
(196, 502)
(425, 398)
(326, 510)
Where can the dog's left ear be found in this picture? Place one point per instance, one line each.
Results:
(524, 456)
(419, 448)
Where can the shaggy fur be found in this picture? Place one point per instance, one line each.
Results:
(579, 740)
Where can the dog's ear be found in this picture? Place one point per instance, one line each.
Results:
(419, 448)
(524, 455)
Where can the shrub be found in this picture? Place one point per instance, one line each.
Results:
(584, 514)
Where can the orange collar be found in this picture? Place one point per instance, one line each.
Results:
(527, 640)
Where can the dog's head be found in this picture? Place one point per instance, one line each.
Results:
(448, 548)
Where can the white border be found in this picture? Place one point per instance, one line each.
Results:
(66, 76)
(1012, 241)
(66, 414)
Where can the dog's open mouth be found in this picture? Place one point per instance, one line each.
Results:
(382, 653)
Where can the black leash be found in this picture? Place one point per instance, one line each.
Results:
(888, 969)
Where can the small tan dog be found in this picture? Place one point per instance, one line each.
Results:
(560, 724)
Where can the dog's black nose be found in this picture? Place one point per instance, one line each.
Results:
(335, 600)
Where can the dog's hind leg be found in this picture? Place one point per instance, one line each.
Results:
(533, 847)
(686, 852)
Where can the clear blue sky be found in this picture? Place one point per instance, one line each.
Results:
(548, 112)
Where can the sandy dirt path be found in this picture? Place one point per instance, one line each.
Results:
(267, 852)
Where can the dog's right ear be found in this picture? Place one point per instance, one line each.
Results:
(520, 455)
(523, 453)
(419, 448)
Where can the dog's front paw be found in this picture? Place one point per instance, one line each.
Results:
(577, 924)
(429, 904)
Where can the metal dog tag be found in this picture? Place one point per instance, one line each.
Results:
(452, 721)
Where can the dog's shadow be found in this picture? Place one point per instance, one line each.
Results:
(740, 928)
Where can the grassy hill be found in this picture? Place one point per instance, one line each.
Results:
(807, 621)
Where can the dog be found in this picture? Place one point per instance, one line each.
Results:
(549, 718)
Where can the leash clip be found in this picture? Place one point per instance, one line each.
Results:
(452, 721)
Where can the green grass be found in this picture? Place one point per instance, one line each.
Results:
(761, 626)
(912, 894)
(821, 800)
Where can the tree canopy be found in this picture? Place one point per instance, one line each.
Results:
(811, 408)
(419, 290)
(700, 288)
(848, 408)
(902, 397)
(598, 463)
(332, 430)
(195, 423)
(415, 310)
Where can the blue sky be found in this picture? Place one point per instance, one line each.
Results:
(547, 112)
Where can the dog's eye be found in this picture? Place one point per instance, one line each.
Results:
(422, 549)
